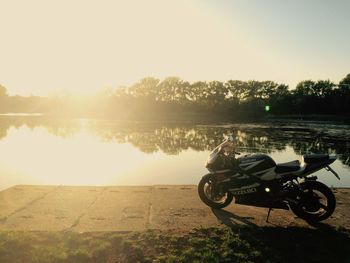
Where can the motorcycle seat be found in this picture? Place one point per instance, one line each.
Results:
(315, 158)
(287, 167)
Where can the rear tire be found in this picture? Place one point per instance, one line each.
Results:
(205, 182)
(310, 208)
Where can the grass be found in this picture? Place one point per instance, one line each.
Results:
(238, 244)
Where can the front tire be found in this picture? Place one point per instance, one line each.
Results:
(205, 192)
(310, 206)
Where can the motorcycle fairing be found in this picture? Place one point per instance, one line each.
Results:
(260, 198)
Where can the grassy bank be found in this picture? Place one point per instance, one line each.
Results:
(238, 244)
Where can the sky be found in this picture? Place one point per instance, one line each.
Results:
(83, 46)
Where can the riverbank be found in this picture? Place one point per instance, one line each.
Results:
(187, 117)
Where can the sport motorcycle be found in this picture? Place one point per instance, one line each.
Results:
(256, 180)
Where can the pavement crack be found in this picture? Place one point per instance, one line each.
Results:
(3, 219)
(77, 220)
(148, 221)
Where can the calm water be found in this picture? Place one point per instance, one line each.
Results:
(39, 150)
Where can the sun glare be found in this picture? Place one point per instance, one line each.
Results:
(81, 47)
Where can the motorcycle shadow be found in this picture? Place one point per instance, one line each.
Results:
(318, 243)
(230, 219)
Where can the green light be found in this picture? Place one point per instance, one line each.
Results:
(267, 108)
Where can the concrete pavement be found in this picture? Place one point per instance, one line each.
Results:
(134, 208)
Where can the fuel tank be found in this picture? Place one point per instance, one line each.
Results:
(258, 164)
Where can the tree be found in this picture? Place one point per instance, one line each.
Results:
(267, 89)
(236, 89)
(344, 84)
(145, 88)
(344, 95)
(217, 92)
(3, 92)
(280, 99)
(173, 89)
(305, 88)
(3, 98)
(323, 88)
(198, 91)
(281, 90)
(252, 89)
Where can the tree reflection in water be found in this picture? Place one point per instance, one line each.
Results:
(173, 138)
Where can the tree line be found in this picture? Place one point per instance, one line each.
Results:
(172, 95)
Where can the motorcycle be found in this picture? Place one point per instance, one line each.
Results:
(256, 180)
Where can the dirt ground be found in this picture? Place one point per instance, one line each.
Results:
(136, 208)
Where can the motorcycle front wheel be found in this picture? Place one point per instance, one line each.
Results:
(211, 196)
(316, 202)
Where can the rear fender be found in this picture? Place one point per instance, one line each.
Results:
(314, 167)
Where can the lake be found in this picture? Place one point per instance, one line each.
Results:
(50, 151)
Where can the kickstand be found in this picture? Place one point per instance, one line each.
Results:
(268, 215)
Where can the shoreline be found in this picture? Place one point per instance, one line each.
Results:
(190, 117)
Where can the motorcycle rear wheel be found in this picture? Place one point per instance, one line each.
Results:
(310, 208)
(205, 193)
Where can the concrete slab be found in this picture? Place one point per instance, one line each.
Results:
(18, 197)
(174, 206)
(118, 209)
(135, 208)
(58, 210)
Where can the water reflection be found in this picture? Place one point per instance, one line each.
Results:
(168, 141)
(268, 138)
(173, 138)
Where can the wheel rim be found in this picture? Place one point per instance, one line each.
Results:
(314, 202)
(218, 198)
